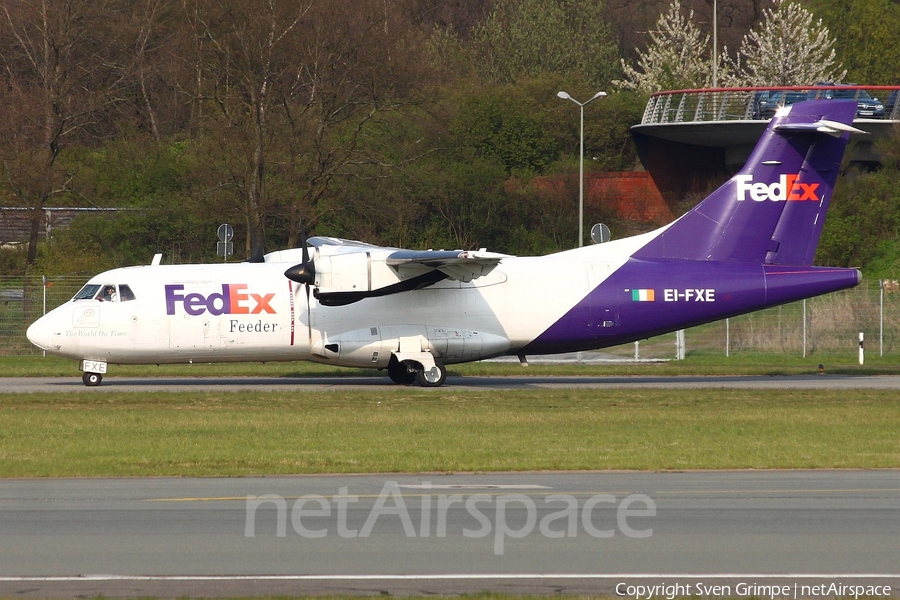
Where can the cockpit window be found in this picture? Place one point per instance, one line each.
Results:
(125, 293)
(87, 292)
(108, 294)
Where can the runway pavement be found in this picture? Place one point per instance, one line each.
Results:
(401, 534)
(180, 384)
(448, 534)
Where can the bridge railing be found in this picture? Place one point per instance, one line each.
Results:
(760, 103)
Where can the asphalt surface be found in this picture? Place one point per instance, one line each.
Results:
(405, 534)
(522, 533)
(175, 384)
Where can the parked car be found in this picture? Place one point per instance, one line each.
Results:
(755, 101)
(771, 102)
(867, 107)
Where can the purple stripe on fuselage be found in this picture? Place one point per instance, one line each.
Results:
(684, 294)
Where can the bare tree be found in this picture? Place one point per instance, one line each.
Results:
(246, 54)
(355, 69)
(293, 91)
(61, 68)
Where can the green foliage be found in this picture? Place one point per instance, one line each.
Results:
(12, 261)
(127, 172)
(862, 224)
(524, 39)
(504, 125)
(608, 145)
(152, 184)
(866, 34)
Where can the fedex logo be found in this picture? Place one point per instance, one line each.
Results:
(234, 300)
(786, 188)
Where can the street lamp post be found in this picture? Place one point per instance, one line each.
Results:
(715, 81)
(581, 105)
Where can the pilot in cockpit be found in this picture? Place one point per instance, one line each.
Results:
(108, 294)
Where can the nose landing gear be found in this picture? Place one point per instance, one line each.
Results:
(91, 379)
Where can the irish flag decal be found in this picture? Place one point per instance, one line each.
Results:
(642, 295)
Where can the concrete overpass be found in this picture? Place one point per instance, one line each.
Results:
(692, 140)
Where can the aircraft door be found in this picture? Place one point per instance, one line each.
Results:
(200, 334)
(145, 329)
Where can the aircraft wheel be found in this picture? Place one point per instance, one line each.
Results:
(433, 377)
(399, 372)
(91, 379)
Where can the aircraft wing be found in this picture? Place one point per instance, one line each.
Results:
(459, 265)
(346, 271)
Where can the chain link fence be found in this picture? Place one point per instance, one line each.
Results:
(23, 300)
(825, 325)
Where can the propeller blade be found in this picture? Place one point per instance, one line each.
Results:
(308, 319)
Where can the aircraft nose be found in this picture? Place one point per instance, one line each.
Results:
(40, 333)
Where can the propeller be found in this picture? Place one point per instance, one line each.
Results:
(304, 273)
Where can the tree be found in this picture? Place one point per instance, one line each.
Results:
(503, 124)
(867, 30)
(245, 52)
(292, 91)
(62, 66)
(787, 49)
(357, 69)
(534, 38)
(676, 58)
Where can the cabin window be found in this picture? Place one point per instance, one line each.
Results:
(125, 293)
(87, 292)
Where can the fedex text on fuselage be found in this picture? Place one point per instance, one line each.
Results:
(233, 300)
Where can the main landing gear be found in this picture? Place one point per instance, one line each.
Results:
(406, 372)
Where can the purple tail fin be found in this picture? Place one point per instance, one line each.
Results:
(773, 210)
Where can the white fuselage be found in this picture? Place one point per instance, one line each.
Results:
(252, 312)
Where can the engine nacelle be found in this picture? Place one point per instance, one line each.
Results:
(355, 272)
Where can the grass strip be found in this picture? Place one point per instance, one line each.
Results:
(414, 430)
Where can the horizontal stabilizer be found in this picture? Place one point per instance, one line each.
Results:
(832, 128)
